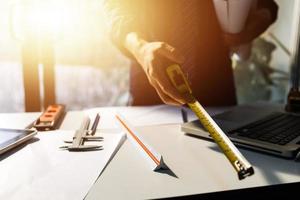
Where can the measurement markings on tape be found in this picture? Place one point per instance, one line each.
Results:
(237, 160)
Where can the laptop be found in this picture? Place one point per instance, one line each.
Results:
(261, 126)
(264, 127)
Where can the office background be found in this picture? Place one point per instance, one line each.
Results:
(91, 72)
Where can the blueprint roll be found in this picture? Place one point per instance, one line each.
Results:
(233, 14)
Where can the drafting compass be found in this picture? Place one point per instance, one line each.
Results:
(84, 134)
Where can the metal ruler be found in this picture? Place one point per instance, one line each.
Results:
(237, 160)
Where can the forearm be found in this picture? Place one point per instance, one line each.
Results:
(122, 18)
(271, 6)
(258, 23)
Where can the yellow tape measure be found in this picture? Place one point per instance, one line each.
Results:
(237, 160)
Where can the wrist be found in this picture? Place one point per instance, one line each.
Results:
(134, 43)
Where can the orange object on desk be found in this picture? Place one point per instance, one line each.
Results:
(50, 119)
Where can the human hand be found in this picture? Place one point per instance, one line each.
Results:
(155, 57)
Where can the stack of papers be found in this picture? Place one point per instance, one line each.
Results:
(41, 170)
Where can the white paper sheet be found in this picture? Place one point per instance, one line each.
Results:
(145, 115)
(138, 115)
(41, 170)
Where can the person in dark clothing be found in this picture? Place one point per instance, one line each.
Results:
(158, 33)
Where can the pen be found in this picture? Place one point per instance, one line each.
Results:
(149, 153)
(184, 115)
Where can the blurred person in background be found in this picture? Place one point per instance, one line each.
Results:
(157, 33)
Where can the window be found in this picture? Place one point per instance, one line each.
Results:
(90, 71)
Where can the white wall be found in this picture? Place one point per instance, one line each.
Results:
(285, 30)
(285, 27)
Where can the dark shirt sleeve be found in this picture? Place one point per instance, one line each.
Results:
(122, 18)
(271, 6)
(249, 34)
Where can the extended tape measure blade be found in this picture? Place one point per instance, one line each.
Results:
(237, 160)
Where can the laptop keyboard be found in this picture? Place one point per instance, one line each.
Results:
(277, 128)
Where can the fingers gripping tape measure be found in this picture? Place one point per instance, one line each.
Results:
(237, 160)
